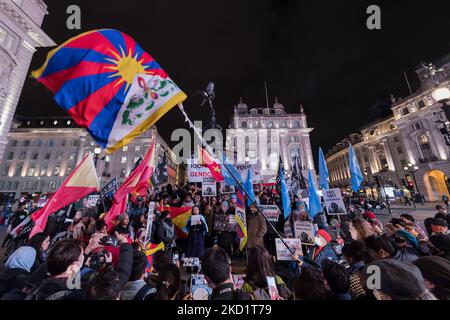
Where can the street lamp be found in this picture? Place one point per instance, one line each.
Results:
(442, 95)
(412, 169)
(97, 152)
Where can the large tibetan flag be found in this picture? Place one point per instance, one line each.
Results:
(109, 85)
(241, 220)
(136, 185)
(212, 165)
(81, 182)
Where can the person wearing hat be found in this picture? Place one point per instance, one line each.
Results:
(436, 271)
(394, 280)
(322, 249)
(256, 228)
(438, 226)
(376, 225)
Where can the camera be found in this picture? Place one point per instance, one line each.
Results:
(98, 260)
(109, 241)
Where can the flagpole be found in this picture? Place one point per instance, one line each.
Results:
(181, 107)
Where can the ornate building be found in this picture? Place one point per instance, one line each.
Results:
(407, 148)
(43, 151)
(20, 34)
(262, 135)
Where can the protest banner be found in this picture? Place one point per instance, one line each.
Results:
(305, 231)
(283, 253)
(209, 188)
(151, 217)
(196, 172)
(272, 212)
(256, 171)
(109, 190)
(334, 202)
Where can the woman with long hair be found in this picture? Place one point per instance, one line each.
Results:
(360, 229)
(259, 267)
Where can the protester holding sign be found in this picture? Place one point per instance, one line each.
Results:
(197, 228)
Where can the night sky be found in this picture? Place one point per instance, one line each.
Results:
(315, 53)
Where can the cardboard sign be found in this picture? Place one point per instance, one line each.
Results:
(272, 212)
(283, 253)
(334, 202)
(92, 200)
(305, 231)
(196, 172)
(209, 188)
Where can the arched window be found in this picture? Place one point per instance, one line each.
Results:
(425, 147)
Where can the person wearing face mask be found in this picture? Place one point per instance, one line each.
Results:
(322, 249)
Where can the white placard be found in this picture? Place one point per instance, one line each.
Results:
(195, 219)
(92, 200)
(209, 187)
(151, 217)
(305, 231)
(283, 254)
(272, 212)
(334, 202)
(196, 172)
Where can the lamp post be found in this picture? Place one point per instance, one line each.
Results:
(442, 95)
(412, 170)
(97, 152)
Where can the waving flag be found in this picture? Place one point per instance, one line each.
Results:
(281, 184)
(136, 185)
(215, 169)
(228, 177)
(315, 206)
(180, 217)
(149, 251)
(355, 170)
(249, 187)
(323, 171)
(81, 182)
(241, 220)
(109, 85)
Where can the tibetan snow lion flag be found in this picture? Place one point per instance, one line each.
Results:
(109, 85)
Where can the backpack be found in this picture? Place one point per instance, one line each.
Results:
(60, 295)
(144, 292)
(261, 294)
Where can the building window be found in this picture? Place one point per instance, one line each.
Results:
(31, 170)
(403, 162)
(124, 160)
(421, 104)
(10, 156)
(75, 143)
(47, 156)
(425, 147)
(38, 143)
(44, 170)
(18, 171)
(73, 155)
(5, 170)
(244, 124)
(405, 111)
(26, 143)
(35, 155)
(51, 143)
(59, 155)
(122, 173)
(137, 148)
(2, 185)
(417, 125)
(296, 124)
(396, 139)
(14, 143)
(3, 35)
(125, 149)
(399, 150)
(23, 155)
(63, 143)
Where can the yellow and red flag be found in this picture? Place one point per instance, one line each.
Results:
(136, 184)
(212, 165)
(80, 183)
(180, 218)
(149, 251)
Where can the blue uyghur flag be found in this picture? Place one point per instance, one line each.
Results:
(315, 206)
(323, 171)
(285, 200)
(228, 178)
(249, 187)
(355, 171)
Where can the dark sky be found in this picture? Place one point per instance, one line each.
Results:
(316, 53)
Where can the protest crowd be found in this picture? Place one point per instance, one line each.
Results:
(77, 258)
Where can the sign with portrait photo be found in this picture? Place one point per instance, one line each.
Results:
(334, 202)
(209, 187)
(305, 231)
(283, 254)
